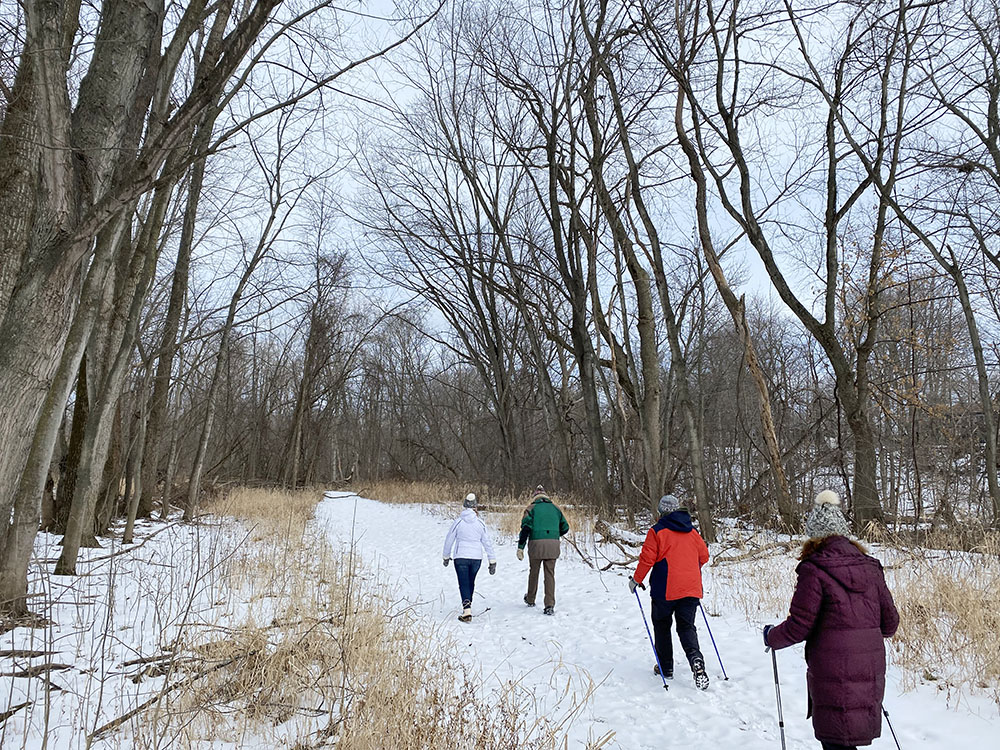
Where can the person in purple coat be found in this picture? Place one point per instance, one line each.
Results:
(843, 610)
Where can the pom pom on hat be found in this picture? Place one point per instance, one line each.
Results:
(539, 492)
(828, 497)
(826, 518)
(470, 501)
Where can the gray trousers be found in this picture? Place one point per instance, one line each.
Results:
(550, 580)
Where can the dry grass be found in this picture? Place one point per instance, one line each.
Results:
(752, 574)
(324, 658)
(948, 602)
(276, 511)
(403, 491)
(501, 508)
(949, 607)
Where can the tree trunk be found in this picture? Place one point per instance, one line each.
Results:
(109, 489)
(16, 552)
(168, 341)
(118, 344)
(865, 500)
(649, 355)
(67, 484)
(786, 508)
(134, 469)
(263, 245)
(983, 383)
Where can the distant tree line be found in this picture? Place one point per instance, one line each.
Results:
(737, 251)
(572, 187)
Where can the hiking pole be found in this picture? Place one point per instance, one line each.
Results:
(656, 655)
(709, 628)
(777, 694)
(893, 731)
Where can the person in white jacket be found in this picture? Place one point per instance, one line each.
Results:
(466, 541)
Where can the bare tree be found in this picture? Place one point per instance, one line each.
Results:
(282, 195)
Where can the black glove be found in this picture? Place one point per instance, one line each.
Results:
(446, 562)
(766, 629)
(634, 584)
(493, 568)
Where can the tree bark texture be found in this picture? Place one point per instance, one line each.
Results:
(58, 189)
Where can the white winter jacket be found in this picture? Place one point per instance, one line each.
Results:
(468, 538)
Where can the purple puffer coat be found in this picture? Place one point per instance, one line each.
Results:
(842, 609)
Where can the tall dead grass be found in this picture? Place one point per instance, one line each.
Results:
(949, 606)
(501, 508)
(948, 602)
(753, 574)
(321, 656)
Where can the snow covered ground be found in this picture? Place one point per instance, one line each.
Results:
(156, 597)
(597, 630)
(109, 629)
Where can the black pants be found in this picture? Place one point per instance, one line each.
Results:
(684, 611)
(835, 746)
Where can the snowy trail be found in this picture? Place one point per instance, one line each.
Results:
(597, 628)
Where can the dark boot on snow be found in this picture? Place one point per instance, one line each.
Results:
(669, 674)
(528, 601)
(549, 610)
(700, 675)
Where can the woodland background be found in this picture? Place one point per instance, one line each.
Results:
(740, 251)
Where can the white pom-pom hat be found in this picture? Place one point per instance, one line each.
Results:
(826, 518)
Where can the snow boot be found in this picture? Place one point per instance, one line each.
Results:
(528, 601)
(700, 675)
(669, 675)
(549, 610)
(466, 615)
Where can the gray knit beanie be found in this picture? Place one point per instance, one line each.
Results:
(470, 501)
(668, 504)
(826, 519)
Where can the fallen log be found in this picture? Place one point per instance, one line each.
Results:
(4, 715)
(37, 669)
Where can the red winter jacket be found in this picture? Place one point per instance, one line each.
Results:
(675, 552)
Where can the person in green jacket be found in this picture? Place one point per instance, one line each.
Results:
(541, 526)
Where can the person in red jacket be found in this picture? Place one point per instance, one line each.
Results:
(675, 552)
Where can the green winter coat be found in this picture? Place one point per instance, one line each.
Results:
(542, 520)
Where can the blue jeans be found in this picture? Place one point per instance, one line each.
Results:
(466, 569)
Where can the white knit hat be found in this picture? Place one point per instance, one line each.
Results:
(470, 501)
(826, 518)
